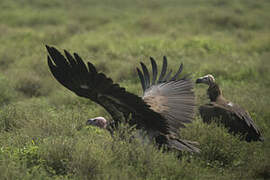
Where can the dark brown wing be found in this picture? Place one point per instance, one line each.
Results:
(233, 117)
(172, 97)
(86, 82)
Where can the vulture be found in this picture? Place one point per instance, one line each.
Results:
(167, 104)
(236, 119)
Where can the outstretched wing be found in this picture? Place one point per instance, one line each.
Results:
(86, 81)
(170, 96)
(232, 116)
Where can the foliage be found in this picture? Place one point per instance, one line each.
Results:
(42, 125)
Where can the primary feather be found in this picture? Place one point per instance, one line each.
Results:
(164, 108)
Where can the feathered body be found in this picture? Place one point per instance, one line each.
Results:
(234, 117)
(167, 103)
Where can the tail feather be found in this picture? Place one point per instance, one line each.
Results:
(183, 145)
(177, 144)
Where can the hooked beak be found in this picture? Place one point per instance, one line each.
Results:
(199, 80)
(202, 80)
(90, 122)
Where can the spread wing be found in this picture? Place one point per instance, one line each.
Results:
(233, 116)
(86, 81)
(170, 96)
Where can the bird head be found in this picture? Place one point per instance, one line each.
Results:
(100, 122)
(207, 79)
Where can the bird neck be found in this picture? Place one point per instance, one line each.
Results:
(214, 92)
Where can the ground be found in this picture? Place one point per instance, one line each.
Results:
(42, 124)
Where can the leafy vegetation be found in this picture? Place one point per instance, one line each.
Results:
(42, 125)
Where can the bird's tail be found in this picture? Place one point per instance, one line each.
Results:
(177, 144)
(183, 145)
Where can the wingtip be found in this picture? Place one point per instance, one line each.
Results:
(51, 49)
(178, 72)
(76, 55)
(91, 68)
(153, 61)
(67, 53)
(164, 69)
(47, 47)
(181, 67)
(154, 70)
(146, 75)
(141, 77)
(143, 66)
(164, 58)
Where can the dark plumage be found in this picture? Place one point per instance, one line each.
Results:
(166, 105)
(234, 117)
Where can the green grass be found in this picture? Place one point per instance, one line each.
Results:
(42, 131)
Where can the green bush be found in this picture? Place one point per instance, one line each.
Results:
(42, 124)
(10, 118)
(7, 94)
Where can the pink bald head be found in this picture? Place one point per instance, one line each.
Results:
(97, 121)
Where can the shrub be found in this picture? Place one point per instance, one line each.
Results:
(10, 119)
(6, 92)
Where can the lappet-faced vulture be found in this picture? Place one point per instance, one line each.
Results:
(167, 102)
(220, 110)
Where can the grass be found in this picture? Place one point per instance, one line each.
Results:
(42, 131)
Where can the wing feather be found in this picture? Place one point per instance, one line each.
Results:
(154, 70)
(146, 75)
(177, 73)
(141, 79)
(173, 99)
(165, 107)
(235, 118)
(73, 73)
(163, 71)
(168, 76)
